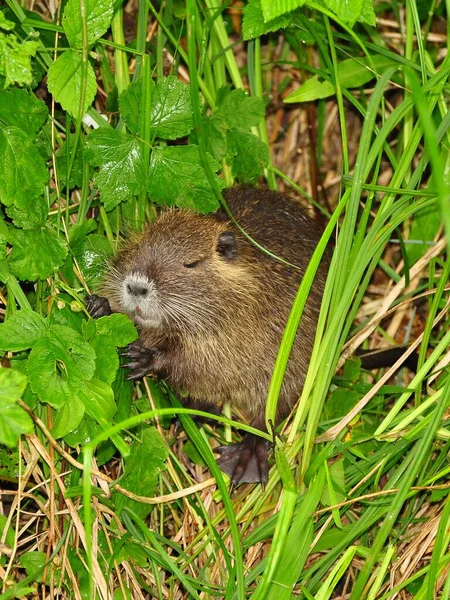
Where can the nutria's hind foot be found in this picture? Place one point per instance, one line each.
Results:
(141, 360)
(97, 306)
(245, 462)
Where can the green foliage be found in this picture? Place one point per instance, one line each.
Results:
(352, 73)
(177, 178)
(424, 227)
(142, 468)
(15, 56)
(264, 16)
(227, 132)
(36, 253)
(74, 361)
(34, 563)
(23, 110)
(70, 86)
(247, 154)
(351, 483)
(68, 418)
(121, 174)
(98, 13)
(255, 24)
(22, 330)
(21, 162)
(67, 370)
(14, 421)
(171, 108)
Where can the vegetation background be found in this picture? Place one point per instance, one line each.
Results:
(109, 110)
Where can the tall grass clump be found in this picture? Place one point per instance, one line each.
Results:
(110, 111)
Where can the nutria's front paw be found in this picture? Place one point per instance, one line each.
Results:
(141, 359)
(97, 306)
(245, 462)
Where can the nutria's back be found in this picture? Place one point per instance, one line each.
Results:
(212, 306)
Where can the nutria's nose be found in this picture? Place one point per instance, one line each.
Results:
(137, 289)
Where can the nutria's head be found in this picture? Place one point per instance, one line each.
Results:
(186, 272)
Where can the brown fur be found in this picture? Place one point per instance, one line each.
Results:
(225, 317)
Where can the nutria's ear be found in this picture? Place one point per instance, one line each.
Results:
(227, 245)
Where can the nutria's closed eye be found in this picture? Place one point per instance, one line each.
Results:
(193, 264)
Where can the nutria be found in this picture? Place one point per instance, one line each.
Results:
(211, 307)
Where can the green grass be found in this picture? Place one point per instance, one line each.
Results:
(357, 499)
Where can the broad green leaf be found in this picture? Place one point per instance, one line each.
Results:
(367, 13)
(36, 254)
(340, 403)
(352, 369)
(14, 421)
(79, 231)
(65, 157)
(312, 89)
(171, 108)
(121, 174)
(130, 104)
(171, 116)
(215, 137)
(254, 23)
(9, 537)
(21, 162)
(177, 178)
(107, 361)
(347, 10)
(9, 464)
(353, 72)
(239, 111)
(65, 82)
(68, 417)
(59, 364)
(423, 230)
(142, 468)
(34, 563)
(247, 154)
(107, 334)
(67, 312)
(272, 9)
(92, 257)
(15, 59)
(86, 430)
(98, 13)
(22, 330)
(23, 110)
(5, 23)
(98, 399)
(34, 217)
(117, 328)
(123, 393)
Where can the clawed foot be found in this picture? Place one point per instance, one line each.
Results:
(141, 360)
(245, 462)
(97, 306)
